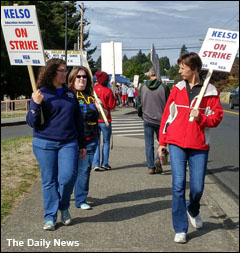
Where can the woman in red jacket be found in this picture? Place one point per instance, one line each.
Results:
(188, 141)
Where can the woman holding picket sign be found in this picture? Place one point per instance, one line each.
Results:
(57, 142)
(80, 82)
(188, 141)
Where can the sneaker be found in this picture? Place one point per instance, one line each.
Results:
(151, 171)
(96, 168)
(158, 167)
(196, 221)
(180, 237)
(49, 225)
(106, 167)
(85, 206)
(66, 217)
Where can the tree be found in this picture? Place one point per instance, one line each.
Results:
(51, 17)
(183, 49)
(137, 65)
(173, 72)
(97, 65)
(164, 65)
(125, 58)
(141, 57)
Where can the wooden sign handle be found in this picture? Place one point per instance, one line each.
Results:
(85, 63)
(101, 111)
(34, 87)
(201, 94)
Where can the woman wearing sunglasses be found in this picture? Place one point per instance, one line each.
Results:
(79, 81)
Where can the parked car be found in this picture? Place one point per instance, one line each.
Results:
(234, 98)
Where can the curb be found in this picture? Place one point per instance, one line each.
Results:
(223, 213)
(3, 124)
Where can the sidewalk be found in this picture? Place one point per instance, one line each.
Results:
(13, 121)
(131, 213)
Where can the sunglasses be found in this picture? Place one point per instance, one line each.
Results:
(83, 76)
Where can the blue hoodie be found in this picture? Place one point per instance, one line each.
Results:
(63, 120)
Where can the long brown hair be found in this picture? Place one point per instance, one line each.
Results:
(72, 76)
(48, 72)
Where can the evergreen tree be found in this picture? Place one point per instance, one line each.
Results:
(173, 72)
(183, 49)
(97, 65)
(164, 65)
(125, 58)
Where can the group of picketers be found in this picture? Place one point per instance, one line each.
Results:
(67, 144)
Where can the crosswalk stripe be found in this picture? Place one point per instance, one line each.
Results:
(123, 135)
(121, 119)
(131, 127)
(127, 126)
(127, 131)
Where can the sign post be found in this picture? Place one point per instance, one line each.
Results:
(217, 53)
(113, 65)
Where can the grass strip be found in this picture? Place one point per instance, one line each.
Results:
(19, 171)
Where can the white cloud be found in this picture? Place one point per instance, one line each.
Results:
(138, 24)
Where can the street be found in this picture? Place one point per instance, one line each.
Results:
(223, 161)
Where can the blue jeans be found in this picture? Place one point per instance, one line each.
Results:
(107, 132)
(81, 186)
(197, 161)
(57, 162)
(149, 129)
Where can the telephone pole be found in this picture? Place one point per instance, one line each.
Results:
(82, 25)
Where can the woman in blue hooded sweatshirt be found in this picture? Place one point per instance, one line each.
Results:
(57, 141)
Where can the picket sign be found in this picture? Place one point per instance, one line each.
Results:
(22, 37)
(85, 63)
(218, 52)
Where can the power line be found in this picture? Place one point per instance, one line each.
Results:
(227, 23)
(157, 49)
(150, 38)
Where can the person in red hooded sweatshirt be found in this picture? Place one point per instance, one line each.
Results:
(108, 102)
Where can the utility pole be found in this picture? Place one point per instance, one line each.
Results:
(66, 3)
(112, 84)
(82, 24)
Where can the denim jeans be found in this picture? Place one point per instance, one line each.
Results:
(197, 161)
(57, 162)
(107, 132)
(81, 186)
(149, 129)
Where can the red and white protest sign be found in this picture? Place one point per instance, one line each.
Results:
(22, 35)
(218, 52)
(219, 49)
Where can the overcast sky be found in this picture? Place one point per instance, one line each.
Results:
(166, 24)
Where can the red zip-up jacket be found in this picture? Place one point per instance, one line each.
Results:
(107, 98)
(175, 126)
